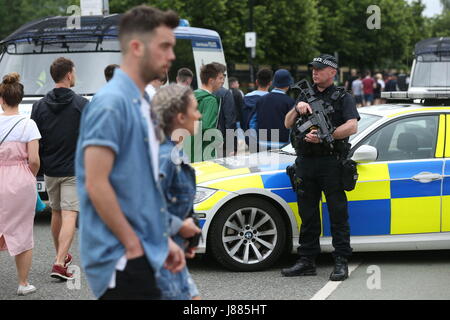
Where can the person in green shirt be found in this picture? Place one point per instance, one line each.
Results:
(212, 76)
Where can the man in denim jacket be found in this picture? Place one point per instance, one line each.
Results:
(124, 223)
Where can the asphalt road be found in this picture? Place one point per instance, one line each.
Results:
(43, 258)
(383, 275)
(400, 276)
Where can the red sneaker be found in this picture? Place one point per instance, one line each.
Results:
(68, 260)
(60, 272)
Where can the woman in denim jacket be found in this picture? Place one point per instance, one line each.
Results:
(176, 108)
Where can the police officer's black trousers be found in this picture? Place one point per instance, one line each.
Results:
(319, 174)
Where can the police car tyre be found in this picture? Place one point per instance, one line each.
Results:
(247, 235)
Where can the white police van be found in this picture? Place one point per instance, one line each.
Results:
(430, 73)
(32, 48)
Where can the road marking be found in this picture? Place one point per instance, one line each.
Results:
(330, 286)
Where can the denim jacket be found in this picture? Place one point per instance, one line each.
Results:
(177, 179)
(114, 119)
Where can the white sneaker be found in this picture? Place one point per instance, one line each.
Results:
(25, 290)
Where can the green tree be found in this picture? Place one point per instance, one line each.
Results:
(289, 32)
(440, 25)
(345, 30)
(286, 30)
(445, 5)
(18, 12)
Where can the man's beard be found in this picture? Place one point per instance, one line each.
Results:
(147, 71)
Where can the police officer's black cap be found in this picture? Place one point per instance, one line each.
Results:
(323, 61)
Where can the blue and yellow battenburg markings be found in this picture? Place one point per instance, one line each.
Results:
(394, 204)
(386, 199)
(445, 227)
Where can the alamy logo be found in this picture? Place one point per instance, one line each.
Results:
(374, 21)
(374, 281)
(211, 144)
(75, 283)
(74, 21)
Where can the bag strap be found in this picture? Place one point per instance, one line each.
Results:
(219, 113)
(4, 138)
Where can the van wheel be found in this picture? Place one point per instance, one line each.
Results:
(247, 235)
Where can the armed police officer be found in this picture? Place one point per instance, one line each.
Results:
(318, 168)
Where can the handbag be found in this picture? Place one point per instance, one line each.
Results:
(40, 205)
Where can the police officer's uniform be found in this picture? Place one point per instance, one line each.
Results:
(319, 168)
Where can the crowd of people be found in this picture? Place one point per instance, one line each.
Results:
(367, 89)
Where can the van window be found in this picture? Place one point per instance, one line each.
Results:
(184, 59)
(432, 71)
(33, 62)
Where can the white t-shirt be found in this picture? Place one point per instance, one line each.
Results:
(151, 91)
(357, 87)
(153, 142)
(25, 131)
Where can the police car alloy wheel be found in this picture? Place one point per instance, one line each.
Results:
(247, 235)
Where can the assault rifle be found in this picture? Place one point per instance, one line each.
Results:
(320, 117)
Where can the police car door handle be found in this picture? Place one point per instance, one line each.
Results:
(425, 177)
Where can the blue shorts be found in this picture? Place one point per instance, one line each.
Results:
(368, 97)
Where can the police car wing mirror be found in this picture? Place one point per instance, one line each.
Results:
(365, 153)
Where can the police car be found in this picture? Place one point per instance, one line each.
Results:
(249, 212)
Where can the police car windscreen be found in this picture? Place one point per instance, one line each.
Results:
(32, 61)
(365, 121)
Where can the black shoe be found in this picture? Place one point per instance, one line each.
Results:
(303, 267)
(340, 272)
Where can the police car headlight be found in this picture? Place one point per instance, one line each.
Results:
(203, 194)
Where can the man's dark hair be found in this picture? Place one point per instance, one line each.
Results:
(184, 73)
(60, 68)
(232, 79)
(221, 67)
(211, 71)
(144, 19)
(109, 71)
(264, 76)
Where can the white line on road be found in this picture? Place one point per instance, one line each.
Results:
(330, 286)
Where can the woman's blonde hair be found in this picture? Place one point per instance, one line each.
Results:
(168, 102)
